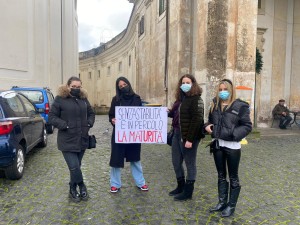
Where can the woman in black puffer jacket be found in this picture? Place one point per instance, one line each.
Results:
(187, 113)
(228, 123)
(73, 115)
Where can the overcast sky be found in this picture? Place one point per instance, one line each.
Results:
(101, 20)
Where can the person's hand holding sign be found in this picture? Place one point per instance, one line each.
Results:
(113, 121)
(188, 144)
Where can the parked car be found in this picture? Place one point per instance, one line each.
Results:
(21, 129)
(42, 98)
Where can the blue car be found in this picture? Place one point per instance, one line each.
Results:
(42, 97)
(21, 129)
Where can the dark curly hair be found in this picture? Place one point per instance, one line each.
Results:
(195, 90)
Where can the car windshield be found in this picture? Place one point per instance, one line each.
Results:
(34, 96)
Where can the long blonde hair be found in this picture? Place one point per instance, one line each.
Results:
(231, 90)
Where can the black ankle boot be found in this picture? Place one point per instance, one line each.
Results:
(83, 191)
(73, 194)
(187, 191)
(234, 195)
(180, 186)
(223, 196)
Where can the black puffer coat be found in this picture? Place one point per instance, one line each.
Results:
(191, 113)
(233, 124)
(73, 117)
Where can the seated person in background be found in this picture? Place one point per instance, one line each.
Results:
(281, 112)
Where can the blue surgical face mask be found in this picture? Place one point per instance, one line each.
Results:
(224, 95)
(186, 87)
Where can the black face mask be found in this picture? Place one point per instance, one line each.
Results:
(125, 89)
(75, 92)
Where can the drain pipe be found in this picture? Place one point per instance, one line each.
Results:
(166, 52)
(62, 45)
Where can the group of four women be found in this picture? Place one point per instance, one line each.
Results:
(228, 123)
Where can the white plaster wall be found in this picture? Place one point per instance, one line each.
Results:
(295, 77)
(31, 43)
(266, 21)
(14, 42)
(279, 77)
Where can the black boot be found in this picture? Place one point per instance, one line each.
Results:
(223, 196)
(180, 185)
(73, 194)
(234, 195)
(187, 191)
(83, 191)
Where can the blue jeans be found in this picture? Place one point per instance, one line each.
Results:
(136, 171)
(73, 160)
(284, 121)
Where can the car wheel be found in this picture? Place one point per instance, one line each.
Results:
(50, 128)
(44, 140)
(16, 170)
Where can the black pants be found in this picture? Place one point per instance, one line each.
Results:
(230, 157)
(73, 160)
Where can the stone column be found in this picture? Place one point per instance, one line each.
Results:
(295, 53)
(231, 43)
(180, 43)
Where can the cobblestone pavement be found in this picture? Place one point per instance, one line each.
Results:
(269, 174)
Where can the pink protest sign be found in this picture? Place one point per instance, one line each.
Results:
(141, 125)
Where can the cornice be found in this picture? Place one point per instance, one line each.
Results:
(148, 2)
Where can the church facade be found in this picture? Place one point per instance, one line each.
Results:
(278, 39)
(210, 39)
(38, 43)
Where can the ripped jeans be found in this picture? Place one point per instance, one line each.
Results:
(73, 160)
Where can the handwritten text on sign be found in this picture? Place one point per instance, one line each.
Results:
(141, 125)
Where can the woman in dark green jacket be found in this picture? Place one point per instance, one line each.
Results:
(187, 113)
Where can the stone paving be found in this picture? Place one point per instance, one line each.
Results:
(269, 174)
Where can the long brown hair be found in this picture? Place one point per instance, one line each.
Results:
(195, 90)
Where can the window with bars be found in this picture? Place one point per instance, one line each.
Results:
(129, 60)
(90, 75)
(261, 7)
(162, 6)
(142, 26)
(120, 66)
